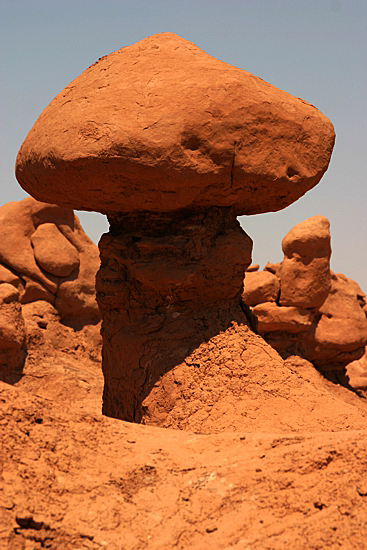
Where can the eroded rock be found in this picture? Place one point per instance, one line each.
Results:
(305, 271)
(46, 240)
(340, 334)
(172, 172)
(47, 256)
(260, 286)
(272, 317)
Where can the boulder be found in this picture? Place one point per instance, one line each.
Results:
(305, 271)
(53, 252)
(259, 287)
(253, 267)
(356, 372)
(129, 134)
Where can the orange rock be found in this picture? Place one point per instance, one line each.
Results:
(259, 287)
(305, 270)
(341, 332)
(172, 156)
(53, 252)
(356, 372)
(50, 257)
(253, 267)
(272, 317)
(7, 276)
(12, 330)
(273, 267)
(132, 134)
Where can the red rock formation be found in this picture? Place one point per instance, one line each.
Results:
(331, 334)
(305, 273)
(172, 156)
(260, 286)
(46, 258)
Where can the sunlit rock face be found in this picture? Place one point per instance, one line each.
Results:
(172, 144)
(316, 314)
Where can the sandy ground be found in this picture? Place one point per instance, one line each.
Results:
(73, 479)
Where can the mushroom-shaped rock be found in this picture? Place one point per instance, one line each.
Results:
(305, 271)
(162, 125)
(172, 144)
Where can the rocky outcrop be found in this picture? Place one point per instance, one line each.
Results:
(318, 314)
(305, 273)
(46, 258)
(165, 285)
(172, 157)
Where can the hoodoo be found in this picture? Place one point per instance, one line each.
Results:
(172, 145)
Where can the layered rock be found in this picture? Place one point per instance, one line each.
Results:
(324, 319)
(45, 258)
(172, 157)
(166, 284)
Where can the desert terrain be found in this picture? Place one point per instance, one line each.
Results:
(164, 392)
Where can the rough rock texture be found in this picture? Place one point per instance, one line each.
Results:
(272, 317)
(199, 135)
(332, 334)
(305, 271)
(49, 261)
(341, 332)
(356, 372)
(165, 286)
(46, 255)
(172, 156)
(12, 329)
(260, 286)
(70, 480)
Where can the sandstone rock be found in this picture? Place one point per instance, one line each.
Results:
(200, 135)
(273, 267)
(73, 481)
(53, 252)
(341, 332)
(7, 276)
(34, 291)
(12, 333)
(305, 271)
(164, 287)
(356, 372)
(260, 286)
(272, 317)
(8, 293)
(48, 257)
(253, 267)
(172, 156)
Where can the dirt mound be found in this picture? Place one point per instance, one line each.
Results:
(86, 481)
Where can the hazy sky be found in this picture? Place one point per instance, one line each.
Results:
(313, 49)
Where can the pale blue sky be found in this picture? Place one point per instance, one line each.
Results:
(314, 49)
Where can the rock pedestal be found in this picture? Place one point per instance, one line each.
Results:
(166, 284)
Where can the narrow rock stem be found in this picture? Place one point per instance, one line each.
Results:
(167, 282)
